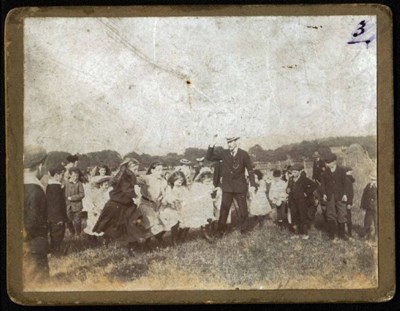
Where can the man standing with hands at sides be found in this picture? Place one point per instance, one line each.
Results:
(36, 266)
(334, 187)
(234, 185)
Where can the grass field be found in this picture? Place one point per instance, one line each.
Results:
(264, 259)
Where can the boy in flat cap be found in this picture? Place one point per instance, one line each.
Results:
(350, 197)
(369, 204)
(234, 184)
(301, 189)
(334, 189)
(74, 193)
(318, 167)
(36, 266)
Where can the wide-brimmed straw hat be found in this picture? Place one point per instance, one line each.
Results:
(185, 161)
(231, 139)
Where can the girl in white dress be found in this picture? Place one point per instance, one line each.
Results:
(258, 204)
(200, 210)
(96, 196)
(174, 202)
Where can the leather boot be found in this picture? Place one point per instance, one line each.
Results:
(331, 229)
(341, 232)
(350, 229)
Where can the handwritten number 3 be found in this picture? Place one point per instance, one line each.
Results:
(360, 30)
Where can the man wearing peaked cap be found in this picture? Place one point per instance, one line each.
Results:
(33, 156)
(35, 264)
(334, 190)
(235, 162)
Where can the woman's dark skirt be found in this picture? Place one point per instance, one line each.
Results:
(121, 222)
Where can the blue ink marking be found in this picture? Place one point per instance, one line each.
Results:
(361, 33)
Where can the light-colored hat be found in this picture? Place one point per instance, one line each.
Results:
(200, 159)
(231, 139)
(316, 154)
(129, 159)
(185, 161)
(33, 156)
(205, 170)
(372, 175)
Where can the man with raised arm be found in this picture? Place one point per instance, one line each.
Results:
(233, 181)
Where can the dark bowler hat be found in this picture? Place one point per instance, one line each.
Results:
(33, 156)
(297, 167)
(231, 139)
(330, 158)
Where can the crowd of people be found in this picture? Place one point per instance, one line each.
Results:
(134, 208)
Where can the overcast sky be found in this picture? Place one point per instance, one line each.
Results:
(157, 85)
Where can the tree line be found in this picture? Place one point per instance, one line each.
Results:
(295, 152)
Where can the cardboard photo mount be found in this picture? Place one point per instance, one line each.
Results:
(14, 86)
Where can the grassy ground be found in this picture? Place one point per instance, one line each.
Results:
(264, 259)
(267, 258)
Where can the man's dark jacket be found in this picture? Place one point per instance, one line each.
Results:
(369, 198)
(233, 169)
(302, 189)
(318, 169)
(56, 205)
(35, 213)
(335, 183)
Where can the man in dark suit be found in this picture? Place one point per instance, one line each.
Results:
(334, 190)
(233, 180)
(35, 264)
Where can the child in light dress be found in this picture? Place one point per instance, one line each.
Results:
(200, 210)
(173, 205)
(97, 195)
(152, 189)
(258, 202)
(278, 197)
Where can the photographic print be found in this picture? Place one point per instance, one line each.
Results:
(200, 153)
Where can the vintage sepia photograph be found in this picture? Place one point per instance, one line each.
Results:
(200, 153)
